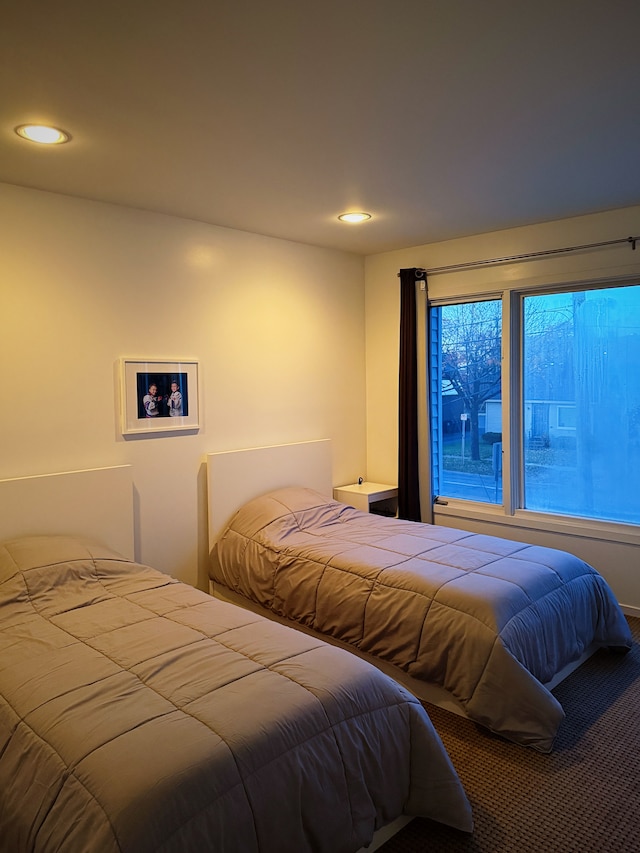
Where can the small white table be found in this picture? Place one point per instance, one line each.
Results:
(365, 496)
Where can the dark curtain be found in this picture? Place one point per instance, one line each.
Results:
(408, 467)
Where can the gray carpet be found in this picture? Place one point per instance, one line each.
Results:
(582, 798)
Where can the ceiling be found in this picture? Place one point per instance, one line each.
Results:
(442, 118)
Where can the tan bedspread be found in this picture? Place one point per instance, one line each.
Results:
(139, 714)
(488, 619)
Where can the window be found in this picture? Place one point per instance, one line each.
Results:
(575, 410)
(580, 357)
(567, 417)
(466, 424)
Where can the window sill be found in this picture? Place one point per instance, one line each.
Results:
(524, 519)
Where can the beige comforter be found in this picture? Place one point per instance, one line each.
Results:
(488, 619)
(139, 714)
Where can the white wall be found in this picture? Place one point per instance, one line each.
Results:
(619, 562)
(278, 329)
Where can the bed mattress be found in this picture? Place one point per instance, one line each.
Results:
(490, 620)
(139, 714)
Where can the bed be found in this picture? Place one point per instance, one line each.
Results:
(140, 714)
(490, 623)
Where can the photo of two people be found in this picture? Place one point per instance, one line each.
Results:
(162, 395)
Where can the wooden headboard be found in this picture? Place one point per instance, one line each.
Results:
(235, 477)
(96, 503)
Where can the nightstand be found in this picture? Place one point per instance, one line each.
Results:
(369, 497)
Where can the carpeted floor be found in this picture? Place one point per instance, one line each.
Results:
(582, 798)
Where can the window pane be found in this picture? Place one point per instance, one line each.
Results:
(465, 401)
(581, 403)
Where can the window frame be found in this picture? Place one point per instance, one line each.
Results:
(435, 382)
(511, 513)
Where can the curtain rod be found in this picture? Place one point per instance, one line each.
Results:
(528, 255)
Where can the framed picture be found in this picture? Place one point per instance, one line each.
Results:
(158, 395)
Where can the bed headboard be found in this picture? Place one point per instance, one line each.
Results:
(236, 476)
(96, 503)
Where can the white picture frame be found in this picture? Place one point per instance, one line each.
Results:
(159, 395)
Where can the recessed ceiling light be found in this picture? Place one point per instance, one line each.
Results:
(43, 134)
(354, 217)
